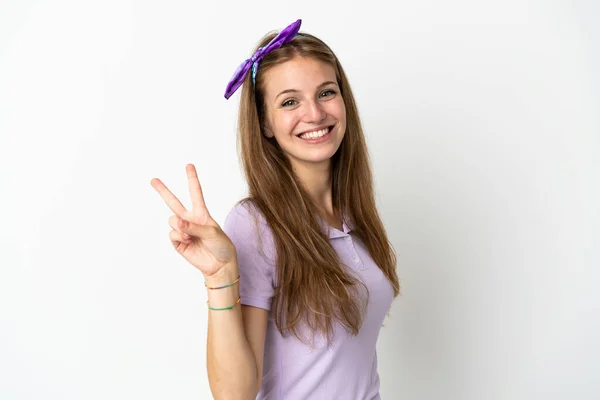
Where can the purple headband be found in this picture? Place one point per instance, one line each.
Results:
(282, 38)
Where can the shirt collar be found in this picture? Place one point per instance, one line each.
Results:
(347, 227)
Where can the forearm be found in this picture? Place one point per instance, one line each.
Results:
(232, 369)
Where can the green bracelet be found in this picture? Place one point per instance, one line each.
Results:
(224, 308)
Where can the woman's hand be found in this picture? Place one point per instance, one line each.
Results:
(195, 235)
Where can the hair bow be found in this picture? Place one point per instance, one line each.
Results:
(240, 73)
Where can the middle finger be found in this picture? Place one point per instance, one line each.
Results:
(195, 188)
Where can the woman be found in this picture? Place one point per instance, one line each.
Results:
(305, 254)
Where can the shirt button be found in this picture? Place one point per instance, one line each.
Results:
(347, 238)
(356, 259)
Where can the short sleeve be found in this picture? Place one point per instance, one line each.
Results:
(253, 240)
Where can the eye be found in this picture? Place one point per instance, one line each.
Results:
(288, 103)
(328, 92)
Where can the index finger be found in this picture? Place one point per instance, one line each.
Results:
(195, 188)
(169, 198)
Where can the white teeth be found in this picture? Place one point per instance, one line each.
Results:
(314, 135)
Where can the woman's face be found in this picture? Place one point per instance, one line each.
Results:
(305, 111)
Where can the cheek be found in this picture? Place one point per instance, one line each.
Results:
(338, 110)
(286, 121)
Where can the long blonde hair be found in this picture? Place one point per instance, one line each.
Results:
(312, 285)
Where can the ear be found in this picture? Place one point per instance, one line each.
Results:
(267, 131)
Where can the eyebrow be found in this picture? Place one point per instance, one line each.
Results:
(296, 90)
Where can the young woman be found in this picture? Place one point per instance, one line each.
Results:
(305, 255)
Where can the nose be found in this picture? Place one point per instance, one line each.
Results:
(315, 112)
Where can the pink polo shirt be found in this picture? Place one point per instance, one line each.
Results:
(292, 370)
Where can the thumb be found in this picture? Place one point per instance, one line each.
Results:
(200, 231)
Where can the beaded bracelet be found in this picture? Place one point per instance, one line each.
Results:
(224, 308)
(222, 287)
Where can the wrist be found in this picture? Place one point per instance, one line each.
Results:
(224, 276)
(223, 288)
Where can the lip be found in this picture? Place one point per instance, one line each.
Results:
(320, 139)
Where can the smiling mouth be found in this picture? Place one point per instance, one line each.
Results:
(316, 134)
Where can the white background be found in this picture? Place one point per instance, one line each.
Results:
(482, 119)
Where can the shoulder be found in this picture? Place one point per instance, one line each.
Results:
(244, 218)
(249, 231)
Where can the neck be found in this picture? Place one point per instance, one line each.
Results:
(317, 181)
